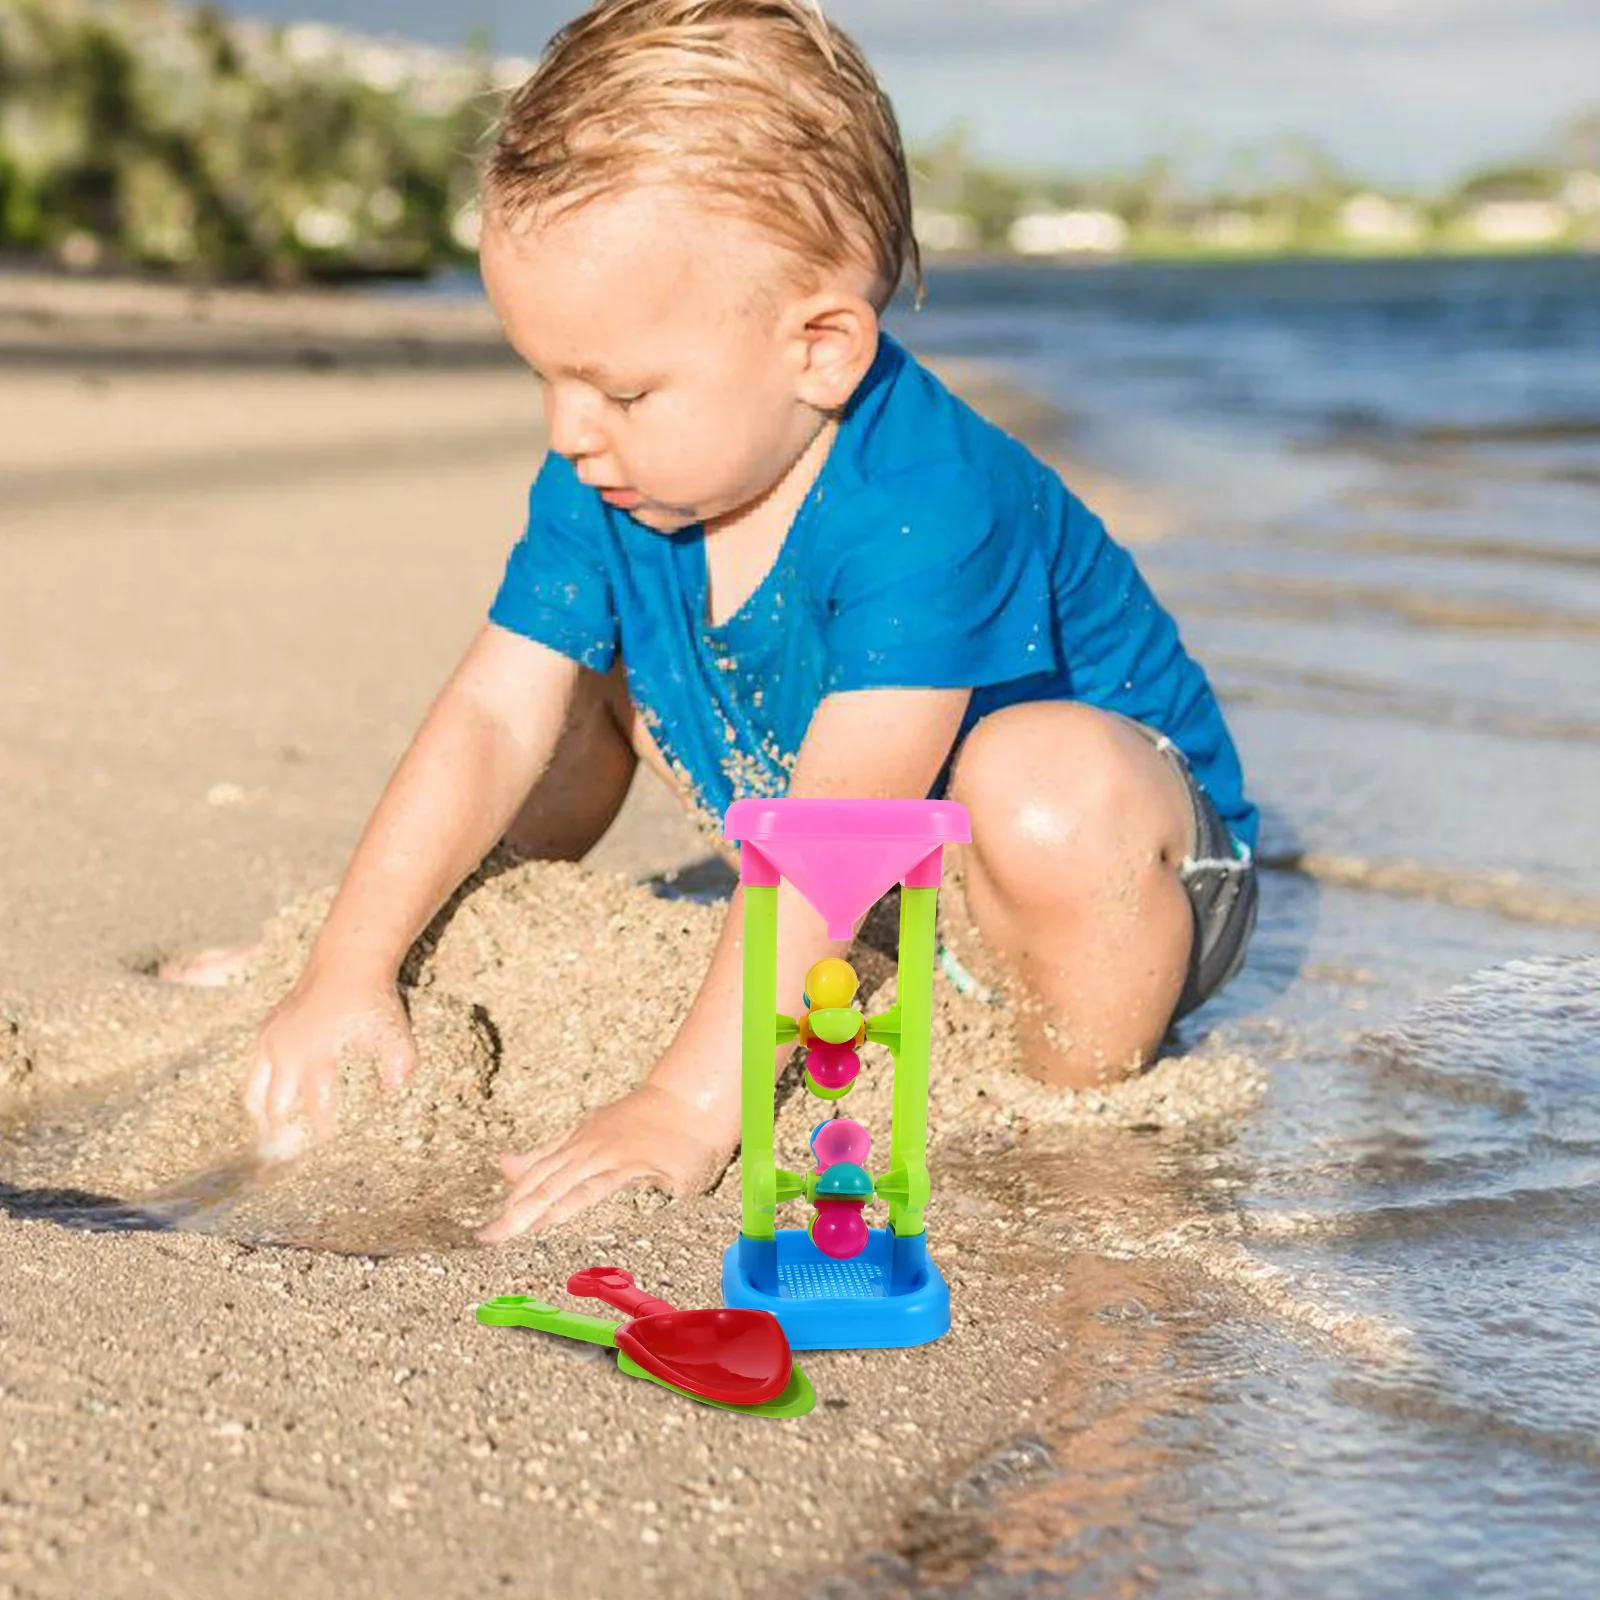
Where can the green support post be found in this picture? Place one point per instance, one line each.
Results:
(760, 1034)
(908, 1144)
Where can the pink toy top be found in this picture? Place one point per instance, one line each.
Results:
(843, 855)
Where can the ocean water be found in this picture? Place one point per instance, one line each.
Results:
(1369, 1363)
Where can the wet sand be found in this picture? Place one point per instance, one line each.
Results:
(234, 581)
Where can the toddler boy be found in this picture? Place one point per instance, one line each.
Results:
(770, 553)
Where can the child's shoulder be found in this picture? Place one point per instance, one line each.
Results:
(910, 442)
(557, 487)
(908, 431)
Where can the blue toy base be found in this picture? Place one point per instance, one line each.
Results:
(888, 1297)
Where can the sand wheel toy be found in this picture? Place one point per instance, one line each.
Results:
(843, 856)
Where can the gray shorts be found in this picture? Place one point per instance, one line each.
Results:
(1219, 877)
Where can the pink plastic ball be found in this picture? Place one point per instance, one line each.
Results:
(841, 1140)
(838, 1229)
(833, 1065)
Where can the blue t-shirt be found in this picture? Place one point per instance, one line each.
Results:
(933, 551)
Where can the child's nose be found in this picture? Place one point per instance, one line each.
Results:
(573, 421)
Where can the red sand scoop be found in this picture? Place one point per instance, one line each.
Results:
(738, 1357)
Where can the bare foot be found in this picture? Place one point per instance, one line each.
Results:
(210, 969)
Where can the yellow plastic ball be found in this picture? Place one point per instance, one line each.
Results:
(831, 983)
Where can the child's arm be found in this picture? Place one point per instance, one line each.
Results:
(479, 750)
(679, 1128)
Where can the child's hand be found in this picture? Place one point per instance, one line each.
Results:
(291, 1087)
(648, 1136)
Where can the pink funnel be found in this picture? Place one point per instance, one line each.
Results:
(843, 855)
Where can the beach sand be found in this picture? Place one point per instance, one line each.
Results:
(241, 554)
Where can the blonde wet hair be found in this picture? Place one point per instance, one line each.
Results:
(763, 106)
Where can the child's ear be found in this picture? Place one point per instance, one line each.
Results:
(834, 341)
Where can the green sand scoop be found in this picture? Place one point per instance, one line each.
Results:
(522, 1311)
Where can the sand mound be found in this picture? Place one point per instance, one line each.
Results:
(542, 992)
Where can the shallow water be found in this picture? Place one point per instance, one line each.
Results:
(1438, 1182)
(1373, 1368)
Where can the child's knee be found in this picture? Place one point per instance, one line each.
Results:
(1063, 796)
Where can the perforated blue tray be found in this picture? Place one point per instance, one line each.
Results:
(890, 1296)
